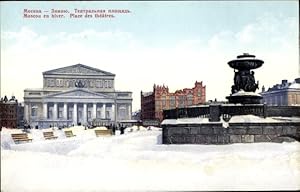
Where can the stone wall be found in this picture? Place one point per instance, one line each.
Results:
(215, 133)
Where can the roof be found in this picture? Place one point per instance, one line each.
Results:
(78, 69)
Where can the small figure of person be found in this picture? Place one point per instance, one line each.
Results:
(122, 129)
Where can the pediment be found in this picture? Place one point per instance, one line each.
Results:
(78, 69)
(78, 93)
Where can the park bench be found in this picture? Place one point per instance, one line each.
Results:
(69, 134)
(103, 132)
(49, 135)
(20, 137)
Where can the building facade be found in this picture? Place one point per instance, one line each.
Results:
(20, 116)
(153, 103)
(8, 112)
(284, 94)
(74, 95)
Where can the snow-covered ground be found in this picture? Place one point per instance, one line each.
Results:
(137, 161)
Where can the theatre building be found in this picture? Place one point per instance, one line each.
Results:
(76, 94)
(153, 103)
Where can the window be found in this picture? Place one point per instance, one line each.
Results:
(34, 110)
(181, 101)
(157, 105)
(122, 112)
(199, 93)
(60, 114)
(79, 114)
(70, 114)
(98, 115)
(163, 101)
(89, 114)
(190, 99)
(172, 102)
(107, 114)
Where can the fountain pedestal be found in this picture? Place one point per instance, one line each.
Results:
(243, 90)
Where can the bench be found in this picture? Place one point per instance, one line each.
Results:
(49, 135)
(103, 132)
(20, 137)
(69, 134)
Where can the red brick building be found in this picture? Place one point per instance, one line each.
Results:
(153, 103)
(8, 112)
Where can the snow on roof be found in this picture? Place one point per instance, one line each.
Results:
(243, 93)
(295, 86)
(145, 94)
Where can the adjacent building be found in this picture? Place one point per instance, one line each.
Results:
(74, 95)
(8, 112)
(153, 103)
(20, 116)
(284, 94)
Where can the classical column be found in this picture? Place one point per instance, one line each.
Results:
(103, 115)
(94, 111)
(112, 112)
(75, 114)
(26, 114)
(84, 113)
(129, 111)
(45, 111)
(116, 115)
(65, 113)
(55, 111)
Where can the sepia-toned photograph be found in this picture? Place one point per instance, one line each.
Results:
(149, 96)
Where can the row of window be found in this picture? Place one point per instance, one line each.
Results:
(282, 100)
(9, 117)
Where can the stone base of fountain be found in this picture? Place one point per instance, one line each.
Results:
(245, 98)
(236, 132)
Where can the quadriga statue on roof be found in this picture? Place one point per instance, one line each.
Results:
(79, 84)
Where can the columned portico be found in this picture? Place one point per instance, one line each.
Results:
(129, 110)
(94, 116)
(113, 112)
(65, 112)
(45, 110)
(75, 114)
(84, 113)
(103, 115)
(55, 111)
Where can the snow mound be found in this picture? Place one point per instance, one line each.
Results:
(139, 162)
(100, 128)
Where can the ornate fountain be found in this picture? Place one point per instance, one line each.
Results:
(243, 90)
(188, 125)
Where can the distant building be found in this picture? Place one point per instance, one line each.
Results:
(283, 94)
(153, 103)
(8, 112)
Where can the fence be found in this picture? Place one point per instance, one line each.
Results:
(214, 111)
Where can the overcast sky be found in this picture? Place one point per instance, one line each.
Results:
(171, 43)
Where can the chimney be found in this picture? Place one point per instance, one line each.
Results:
(297, 80)
(263, 88)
